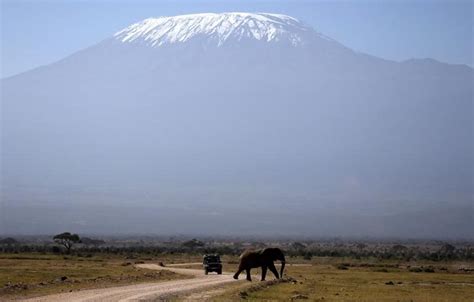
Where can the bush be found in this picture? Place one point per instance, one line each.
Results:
(428, 269)
(342, 266)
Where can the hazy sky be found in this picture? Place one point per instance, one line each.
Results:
(39, 32)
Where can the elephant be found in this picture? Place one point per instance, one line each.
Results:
(261, 258)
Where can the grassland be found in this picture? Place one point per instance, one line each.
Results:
(335, 279)
(25, 275)
(319, 279)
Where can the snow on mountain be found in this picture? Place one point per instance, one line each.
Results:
(218, 28)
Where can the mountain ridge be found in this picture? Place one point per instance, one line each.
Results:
(138, 39)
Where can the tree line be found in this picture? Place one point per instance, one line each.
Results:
(67, 243)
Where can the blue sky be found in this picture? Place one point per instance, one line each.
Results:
(35, 33)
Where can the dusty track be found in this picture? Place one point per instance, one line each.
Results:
(144, 291)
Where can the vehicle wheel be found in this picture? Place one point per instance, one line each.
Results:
(219, 272)
(206, 272)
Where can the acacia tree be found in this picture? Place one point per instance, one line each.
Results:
(67, 240)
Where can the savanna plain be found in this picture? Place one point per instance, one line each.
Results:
(316, 270)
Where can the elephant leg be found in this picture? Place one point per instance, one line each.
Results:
(264, 272)
(236, 275)
(273, 270)
(248, 275)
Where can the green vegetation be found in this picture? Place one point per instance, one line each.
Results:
(410, 250)
(67, 240)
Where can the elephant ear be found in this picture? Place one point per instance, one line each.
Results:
(270, 253)
(277, 254)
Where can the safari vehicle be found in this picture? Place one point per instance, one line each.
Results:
(212, 263)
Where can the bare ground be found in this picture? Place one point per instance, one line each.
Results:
(145, 291)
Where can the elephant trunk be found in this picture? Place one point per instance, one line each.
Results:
(282, 267)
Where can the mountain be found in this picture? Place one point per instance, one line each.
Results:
(237, 123)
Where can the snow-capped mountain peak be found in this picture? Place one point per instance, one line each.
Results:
(216, 28)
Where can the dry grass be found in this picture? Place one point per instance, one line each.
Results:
(386, 281)
(328, 279)
(24, 275)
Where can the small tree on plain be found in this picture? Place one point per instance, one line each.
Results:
(67, 240)
(447, 251)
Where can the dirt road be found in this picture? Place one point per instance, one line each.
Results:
(144, 291)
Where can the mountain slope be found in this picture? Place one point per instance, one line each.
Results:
(207, 118)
